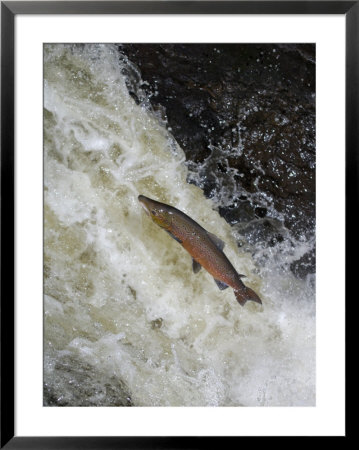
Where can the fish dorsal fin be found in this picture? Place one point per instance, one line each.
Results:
(196, 266)
(218, 242)
(221, 285)
(174, 237)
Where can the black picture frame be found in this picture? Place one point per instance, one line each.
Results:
(8, 12)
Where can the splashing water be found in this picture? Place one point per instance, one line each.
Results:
(127, 322)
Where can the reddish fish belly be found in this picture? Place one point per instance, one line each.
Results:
(212, 262)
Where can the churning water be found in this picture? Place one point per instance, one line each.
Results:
(126, 321)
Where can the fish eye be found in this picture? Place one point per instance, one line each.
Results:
(154, 211)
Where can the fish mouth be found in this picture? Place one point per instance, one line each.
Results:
(142, 199)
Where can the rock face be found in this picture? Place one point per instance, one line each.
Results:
(245, 116)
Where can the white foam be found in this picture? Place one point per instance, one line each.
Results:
(121, 295)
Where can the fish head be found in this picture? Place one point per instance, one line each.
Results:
(159, 212)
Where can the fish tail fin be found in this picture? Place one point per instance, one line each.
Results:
(245, 295)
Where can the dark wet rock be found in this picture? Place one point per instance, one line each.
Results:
(240, 212)
(245, 117)
(74, 383)
(304, 265)
(157, 323)
(262, 231)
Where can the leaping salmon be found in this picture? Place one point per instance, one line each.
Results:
(205, 248)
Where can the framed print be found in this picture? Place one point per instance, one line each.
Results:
(173, 174)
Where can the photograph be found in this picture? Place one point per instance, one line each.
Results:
(179, 224)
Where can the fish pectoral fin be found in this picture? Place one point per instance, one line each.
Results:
(242, 276)
(221, 285)
(196, 266)
(174, 237)
(218, 242)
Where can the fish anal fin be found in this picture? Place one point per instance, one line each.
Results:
(174, 237)
(221, 285)
(218, 242)
(196, 266)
